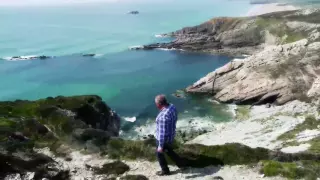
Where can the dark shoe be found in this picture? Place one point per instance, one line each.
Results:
(163, 173)
(182, 168)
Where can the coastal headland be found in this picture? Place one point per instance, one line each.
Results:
(273, 89)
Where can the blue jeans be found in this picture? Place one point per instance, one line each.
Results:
(168, 149)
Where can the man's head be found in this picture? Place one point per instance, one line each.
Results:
(161, 101)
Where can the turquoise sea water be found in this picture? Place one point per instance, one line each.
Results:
(126, 80)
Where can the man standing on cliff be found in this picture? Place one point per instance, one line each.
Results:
(165, 133)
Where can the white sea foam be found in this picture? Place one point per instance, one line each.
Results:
(166, 49)
(20, 58)
(232, 109)
(238, 59)
(130, 119)
(98, 55)
(186, 124)
(160, 36)
(213, 101)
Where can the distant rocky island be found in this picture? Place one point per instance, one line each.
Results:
(134, 12)
(262, 1)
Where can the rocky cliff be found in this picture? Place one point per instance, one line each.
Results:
(74, 137)
(50, 122)
(284, 61)
(246, 35)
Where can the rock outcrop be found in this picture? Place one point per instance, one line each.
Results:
(277, 74)
(18, 58)
(247, 35)
(62, 114)
(29, 165)
(50, 122)
(284, 61)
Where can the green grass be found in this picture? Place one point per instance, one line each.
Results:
(242, 112)
(199, 155)
(267, 22)
(315, 145)
(43, 107)
(309, 170)
(5, 122)
(131, 150)
(309, 123)
(293, 37)
(288, 170)
(278, 28)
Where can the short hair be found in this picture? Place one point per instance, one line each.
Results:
(161, 100)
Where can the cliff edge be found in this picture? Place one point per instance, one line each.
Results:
(284, 64)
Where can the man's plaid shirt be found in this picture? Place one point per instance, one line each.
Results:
(166, 125)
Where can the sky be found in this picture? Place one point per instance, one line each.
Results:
(47, 2)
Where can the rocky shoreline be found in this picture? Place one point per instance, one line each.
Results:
(76, 137)
(236, 36)
(283, 66)
(278, 81)
(273, 133)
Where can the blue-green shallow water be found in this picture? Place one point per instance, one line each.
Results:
(126, 80)
(102, 28)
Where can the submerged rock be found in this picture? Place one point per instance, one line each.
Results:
(133, 12)
(88, 55)
(17, 58)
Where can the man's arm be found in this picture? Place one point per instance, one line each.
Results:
(162, 131)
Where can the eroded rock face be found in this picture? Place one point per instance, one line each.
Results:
(53, 123)
(277, 74)
(80, 120)
(249, 35)
(285, 57)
